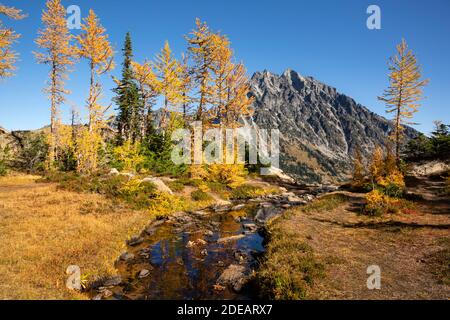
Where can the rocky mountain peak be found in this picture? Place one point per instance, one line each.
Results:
(320, 127)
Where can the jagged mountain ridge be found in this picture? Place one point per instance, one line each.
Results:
(320, 127)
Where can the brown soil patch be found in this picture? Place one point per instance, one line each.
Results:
(348, 243)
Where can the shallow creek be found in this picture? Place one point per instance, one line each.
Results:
(207, 254)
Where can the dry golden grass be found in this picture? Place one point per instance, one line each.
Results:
(409, 248)
(43, 230)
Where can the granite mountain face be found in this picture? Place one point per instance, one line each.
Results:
(320, 128)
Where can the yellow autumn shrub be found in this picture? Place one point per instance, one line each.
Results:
(128, 155)
(88, 145)
(232, 175)
(378, 203)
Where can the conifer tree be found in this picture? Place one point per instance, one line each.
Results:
(57, 52)
(222, 67)
(440, 140)
(7, 37)
(169, 72)
(201, 49)
(129, 118)
(186, 79)
(358, 169)
(390, 161)
(404, 91)
(94, 47)
(377, 165)
(237, 100)
(149, 90)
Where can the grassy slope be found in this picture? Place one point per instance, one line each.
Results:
(322, 251)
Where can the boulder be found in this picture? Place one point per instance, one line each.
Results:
(126, 256)
(265, 214)
(233, 276)
(430, 168)
(232, 238)
(143, 273)
(221, 208)
(135, 240)
(250, 226)
(208, 233)
(295, 200)
(221, 202)
(159, 184)
(277, 172)
(113, 281)
(238, 207)
(73, 283)
(129, 175)
(107, 293)
(150, 230)
(114, 172)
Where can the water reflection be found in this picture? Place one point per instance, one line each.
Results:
(185, 260)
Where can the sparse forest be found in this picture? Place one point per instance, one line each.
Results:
(95, 207)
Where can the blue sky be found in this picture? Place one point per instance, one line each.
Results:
(326, 39)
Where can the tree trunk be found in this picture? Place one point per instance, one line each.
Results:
(53, 120)
(91, 98)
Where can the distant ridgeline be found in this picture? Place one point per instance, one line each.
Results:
(320, 128)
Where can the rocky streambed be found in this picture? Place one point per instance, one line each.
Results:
(206, 254)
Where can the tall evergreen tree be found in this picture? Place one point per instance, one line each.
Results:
(128, 100)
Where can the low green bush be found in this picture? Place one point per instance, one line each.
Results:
(199, 195)
(3, 169)
(176, 186)
(246, 192)
(134, 192)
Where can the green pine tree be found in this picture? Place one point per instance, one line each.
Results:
(128, 100)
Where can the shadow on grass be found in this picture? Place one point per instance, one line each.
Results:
(386, 225)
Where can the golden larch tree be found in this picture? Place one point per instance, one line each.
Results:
(149, 88)
(404, 91)
(54, 41)
(201, 50)
(186, 78)
(94, 46)
(358, 169)
(222, 67)
(7, 37)
(238, 102)
(377, 165)
(169, 72)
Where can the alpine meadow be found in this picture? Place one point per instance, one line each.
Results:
(148, 153)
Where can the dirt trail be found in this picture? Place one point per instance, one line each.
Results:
(403, 246)
(429, 193)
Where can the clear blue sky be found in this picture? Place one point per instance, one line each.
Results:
(326, 39)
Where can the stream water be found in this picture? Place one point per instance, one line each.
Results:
(183, 257)
(207, 254)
